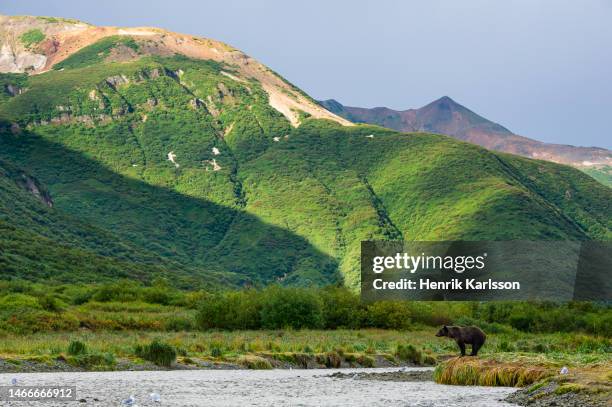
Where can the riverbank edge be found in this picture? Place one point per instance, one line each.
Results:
(552, 392)
(244, 362)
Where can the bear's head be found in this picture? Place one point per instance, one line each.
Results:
(443, 331)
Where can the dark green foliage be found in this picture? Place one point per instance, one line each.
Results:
(342, 308)
(216, 351)
(291, 308)
(157, 352)
(231, 310)
(77, 348)
(21, 311)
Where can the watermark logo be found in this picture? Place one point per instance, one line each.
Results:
(495, 270)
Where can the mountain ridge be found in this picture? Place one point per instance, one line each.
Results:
(445, 116)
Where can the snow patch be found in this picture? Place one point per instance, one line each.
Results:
(370, 136)
(172, 158)
(276, 138)
(213, 162)
(216, 151)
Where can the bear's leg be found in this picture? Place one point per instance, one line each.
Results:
(475, 347)
(462, 347)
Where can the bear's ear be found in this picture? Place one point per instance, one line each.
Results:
(445, 327)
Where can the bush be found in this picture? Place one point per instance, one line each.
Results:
(178, 324)
(157, 352)
(230, 310)
(19, 301)
(25, 320)
(409, 353)
(291, 308)
(389, 315)
(122, 291)
(342, 308)
(32, 37)
(90, 360)
(77, 348)
(50, 303)
(216, 351)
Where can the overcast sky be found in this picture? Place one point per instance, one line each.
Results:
(541, 68)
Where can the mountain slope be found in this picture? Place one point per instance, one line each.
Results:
(41, 243)
(445, 116)
(189, 158)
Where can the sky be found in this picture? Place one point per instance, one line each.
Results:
(542, 68)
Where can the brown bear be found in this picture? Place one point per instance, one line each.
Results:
(469, 334)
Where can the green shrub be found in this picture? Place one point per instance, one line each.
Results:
(291, 308)
(32, 37)
(342, 308)
(216, 351)
(505, 346)
(19, 301)
(230, 310)
(157, 352)
(178, 324)
(409, 353)
(389, 315)
(121, 291)
(50, 303)
(92, 360)
(77, 348)
(26, 320)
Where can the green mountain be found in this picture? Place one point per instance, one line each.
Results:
(156, 153)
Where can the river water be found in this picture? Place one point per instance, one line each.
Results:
(255, 388)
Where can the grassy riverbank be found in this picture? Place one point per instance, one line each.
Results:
(107, 350)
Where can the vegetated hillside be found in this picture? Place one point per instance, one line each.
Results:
(602, 174)
(193, 160)
(445, 116)
(39, 242)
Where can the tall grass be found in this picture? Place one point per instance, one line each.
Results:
(469, 371)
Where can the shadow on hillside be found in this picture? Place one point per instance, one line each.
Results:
(203, 238)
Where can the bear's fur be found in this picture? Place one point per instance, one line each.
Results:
(471, 335)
